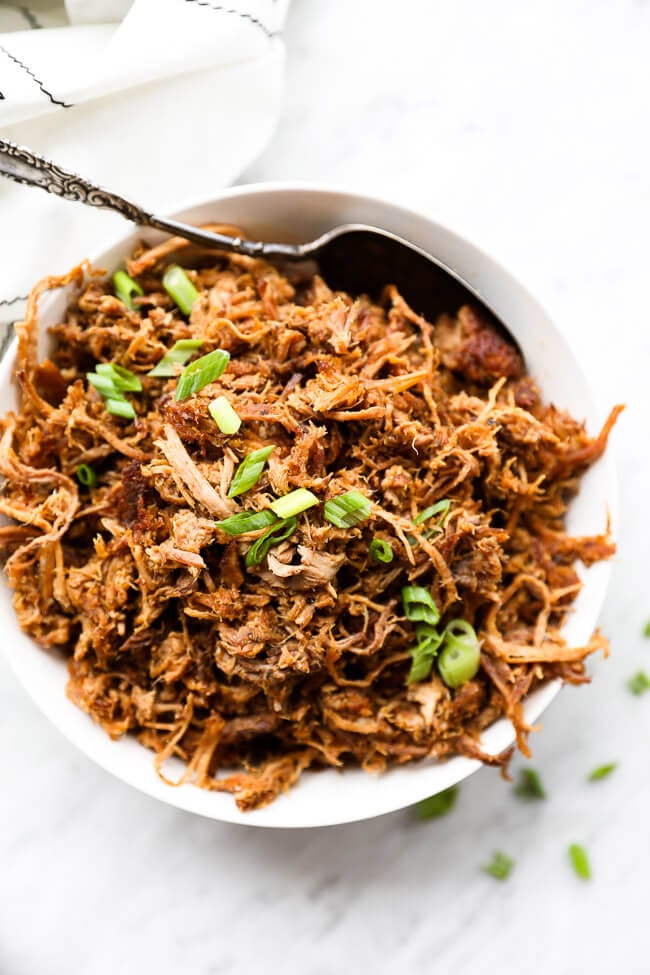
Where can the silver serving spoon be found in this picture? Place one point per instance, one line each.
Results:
(352, 257)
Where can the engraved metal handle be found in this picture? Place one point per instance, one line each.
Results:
(27, 167)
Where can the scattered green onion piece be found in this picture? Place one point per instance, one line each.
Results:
(249, 471)
(103, 384)
(460, 657)
(224, 416)
(529, 785)
(580, 861)
(380, 551)
(438, 805)
(201, 372)
(293, 503)
(500, 867)
(125, 287)
(123, 379)
(424, 652)
(440, 507)
(110, 380)
(347, 510)
(247, 521)
(601, 772)
(276, 534)
(86, 475)
(179, 354)
(639, 683)
(419, 606)
(646, 629)
(120, 407)
(179, 287)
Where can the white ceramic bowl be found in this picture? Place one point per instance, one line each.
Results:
(297, 212)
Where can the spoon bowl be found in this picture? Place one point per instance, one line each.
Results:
(356, 258)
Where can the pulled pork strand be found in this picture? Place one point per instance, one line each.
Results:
(251, 674)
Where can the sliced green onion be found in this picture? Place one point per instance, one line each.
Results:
(646, 629)
(529, 785)
(125, 287)
(380, 551)
(86, 475)
(123, 379)
(103, 384)
(120, 407)
(201, 372)
(293, 503)
(438, 805)
(424, 652)
(601, 772)
(460, 657)
(276, 534)
(639, 683)
(249, 471)
(500, 866)
(580, 861)
(247, 521)
(347, 510)
(179, 287)
(440, 507)
(419, 606)
(179, 354)
(224, 415)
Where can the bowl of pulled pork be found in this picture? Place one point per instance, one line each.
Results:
(287, 555)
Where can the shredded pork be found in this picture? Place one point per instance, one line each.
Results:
(252, 675)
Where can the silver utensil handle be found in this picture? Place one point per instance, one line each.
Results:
(29, 168)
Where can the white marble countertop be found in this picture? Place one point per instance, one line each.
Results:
(524, 127)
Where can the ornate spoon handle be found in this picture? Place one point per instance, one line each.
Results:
(27, 167)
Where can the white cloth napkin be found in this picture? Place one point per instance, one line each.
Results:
(160, 100)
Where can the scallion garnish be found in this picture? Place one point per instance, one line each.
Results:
(580, 861)
(247, 521)
(125, 287)
(439, 508)
(419, 606)
(249, 471)
(201, 372)
(102, 384)
(86, 475)
(500, 866)
(347, 510)
(179, 287)
(293, 503)
(601, 772)
(380, 551)
(224, 415)
(639, 683)
(529, 785)
(179, 354)
(120, 407)
(111, 380)
(460, 656)
(646, 629)
(276, 534)
(121, 378)
(423, 652)
(438, 805)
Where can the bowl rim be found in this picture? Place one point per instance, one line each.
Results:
(534, 704)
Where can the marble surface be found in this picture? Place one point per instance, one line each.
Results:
(523, 126)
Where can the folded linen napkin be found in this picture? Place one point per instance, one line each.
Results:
(160, 100)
